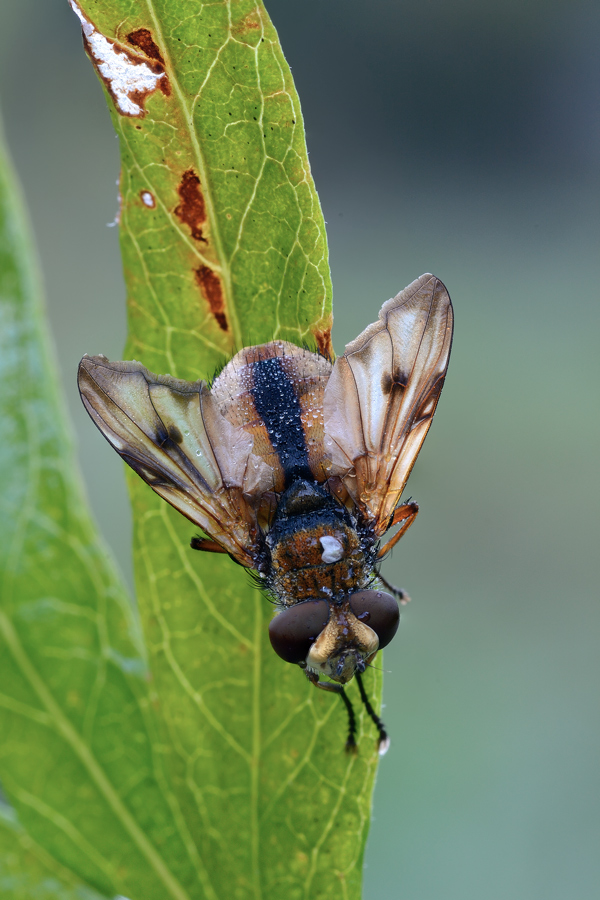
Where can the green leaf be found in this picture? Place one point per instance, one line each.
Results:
(222, 234)
(28, 872)
(224, 776)
(79, 758)
(256, 754)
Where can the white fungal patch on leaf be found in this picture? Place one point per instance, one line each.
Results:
(117, 219)
(127, 76)
(148, 199)
(333, 550)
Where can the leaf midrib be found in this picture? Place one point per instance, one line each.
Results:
(203, 170)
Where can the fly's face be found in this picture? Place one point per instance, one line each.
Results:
(295, 466)
(345, 646)
(325, 638)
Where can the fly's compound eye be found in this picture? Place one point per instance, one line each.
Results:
(378, 610)
(293, 631)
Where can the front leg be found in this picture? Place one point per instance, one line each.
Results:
(383, 742)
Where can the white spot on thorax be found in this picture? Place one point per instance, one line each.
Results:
(148, 199)
(332, 549)
(125, 73)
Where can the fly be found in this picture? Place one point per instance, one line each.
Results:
(294, 465)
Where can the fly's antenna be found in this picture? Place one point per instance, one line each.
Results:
(383, 741)
(351, 742)
(378, 668)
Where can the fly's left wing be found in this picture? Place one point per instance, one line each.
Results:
(172, 434)
(382, 394)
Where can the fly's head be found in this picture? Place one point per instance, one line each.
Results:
(335, 639)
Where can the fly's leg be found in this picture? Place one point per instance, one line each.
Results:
(351, 741)
(338, 689)
(198, 543)
(209, 546)
(406, 514)
(400, 595)
(383, 741)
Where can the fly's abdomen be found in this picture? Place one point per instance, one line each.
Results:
(275, 393)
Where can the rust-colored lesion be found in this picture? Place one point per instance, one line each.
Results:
(247, 26)
(191, 211)
(212, 291)
(322, 335)
(143, 40)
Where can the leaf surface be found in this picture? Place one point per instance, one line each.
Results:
(223, 238)
(79, 756)
(229, 776)
(28, 872)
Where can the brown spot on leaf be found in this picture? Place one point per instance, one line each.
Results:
(210, 285)
(247, 26)
(143, 40)
(251, 22)
(322, 335)
(191, 211)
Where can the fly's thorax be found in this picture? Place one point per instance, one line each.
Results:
(318, 561)
(316, 549)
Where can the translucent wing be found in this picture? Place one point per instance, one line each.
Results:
(382, 394)
(171, 433)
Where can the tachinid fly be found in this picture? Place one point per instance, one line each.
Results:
(294, 466)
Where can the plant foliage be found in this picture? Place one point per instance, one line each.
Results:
(192, 763)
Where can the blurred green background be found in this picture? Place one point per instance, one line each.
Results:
(461, 139)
